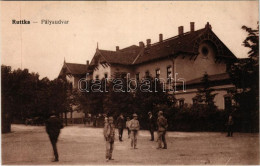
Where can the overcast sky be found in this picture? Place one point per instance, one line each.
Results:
(42, 48)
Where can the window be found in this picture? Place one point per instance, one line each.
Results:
(157, 73)
(71, 86)
(137, 76)
(97, 77)
(147, 74)
(205, 51)
(169, 73)
(105, 75)
(181, 103)
(195, 101)
(123, 75)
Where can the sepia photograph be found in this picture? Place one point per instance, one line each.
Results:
(129, 82)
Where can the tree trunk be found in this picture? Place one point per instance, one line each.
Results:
(6, 123)
(66, 119)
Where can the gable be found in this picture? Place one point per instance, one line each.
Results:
(73, 69)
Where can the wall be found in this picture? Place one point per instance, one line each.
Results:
(70, 79)
(152, 66)
(120, 68)
(101, 71)
(219, 98)
(190, 69)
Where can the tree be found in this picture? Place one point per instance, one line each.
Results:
(7, 98)
(205, 94)
(154, 100)
(61, 100)
(245, 76)
(252, 42)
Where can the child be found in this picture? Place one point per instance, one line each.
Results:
(134, 127)
(127, 126)
(109, 134)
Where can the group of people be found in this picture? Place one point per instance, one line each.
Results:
(54, 125)
(133, 127)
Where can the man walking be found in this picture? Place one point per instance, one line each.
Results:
(53, 126)
(151, 125)
(109, 134)
(134, 127)
(162, 127)
(120, 126)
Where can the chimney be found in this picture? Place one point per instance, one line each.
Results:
(160, 37)
(192, 26)
(141, 44)
(208, 26)
(180, 30)
(117, 48)
(148, 42)
(87, 62)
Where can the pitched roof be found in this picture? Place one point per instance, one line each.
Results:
(73, 68)
(171, 46)
(125, 56)
(186, 43)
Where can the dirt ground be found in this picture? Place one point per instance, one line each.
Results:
(30, 145)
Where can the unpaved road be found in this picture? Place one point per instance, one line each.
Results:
(30, 145)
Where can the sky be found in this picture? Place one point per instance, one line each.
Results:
(42, 48)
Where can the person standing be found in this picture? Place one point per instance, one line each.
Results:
(162, 127)
(120, 126)
(53, 126)
(134, 128)
(105, 120)
(127, 126)
(151, 125)
(109, 134)
(230, 124)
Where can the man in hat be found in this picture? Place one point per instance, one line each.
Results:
(134, 127)
(53, 126)
(120, 126)
(109, 134)
(151, 125)
(162, 127)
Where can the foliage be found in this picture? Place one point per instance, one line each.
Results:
(119, 98)
(252, 41)
(197, 118)
(205, 94)
(25, 96)
(245, 76)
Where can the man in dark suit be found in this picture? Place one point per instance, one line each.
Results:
(120, 126)
(151, 125)
(53, 126)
